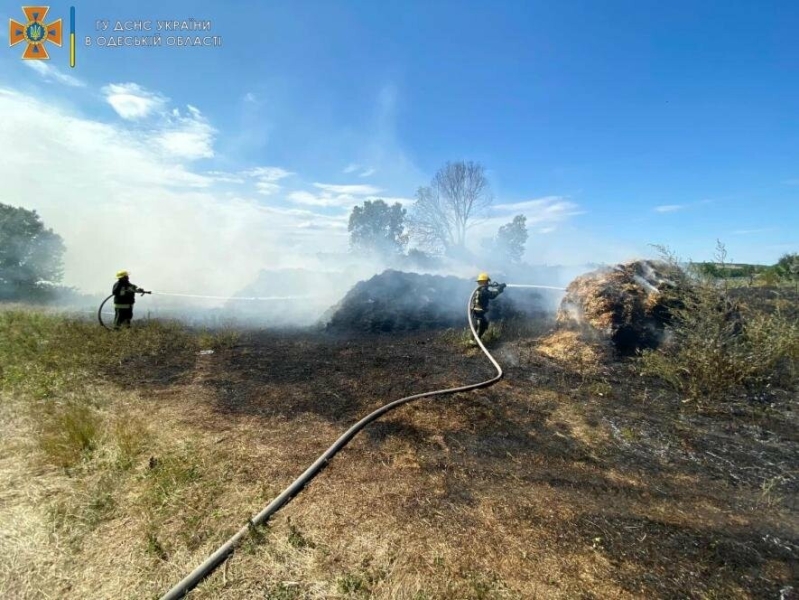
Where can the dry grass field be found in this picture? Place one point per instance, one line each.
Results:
(126, 458)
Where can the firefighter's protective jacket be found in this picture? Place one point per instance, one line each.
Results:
(124, 293)
(483, 296)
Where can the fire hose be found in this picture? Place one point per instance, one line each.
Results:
(189, 582)
(102, 304)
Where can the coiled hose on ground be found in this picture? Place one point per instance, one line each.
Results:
(225, 550)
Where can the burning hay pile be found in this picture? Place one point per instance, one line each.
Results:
(629, 304)
(399, 301)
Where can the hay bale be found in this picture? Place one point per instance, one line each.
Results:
(629, 304)
(399, 301)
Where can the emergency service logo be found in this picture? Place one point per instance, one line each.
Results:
(35, 33)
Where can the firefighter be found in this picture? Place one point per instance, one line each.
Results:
(124, 297)
(482, 297)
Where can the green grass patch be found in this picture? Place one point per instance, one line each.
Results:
(46, 356)
(283, 591)
(218, 340)
(297, 539)
(130, 436)
(68, 433)
(169, 476)
(352, 584)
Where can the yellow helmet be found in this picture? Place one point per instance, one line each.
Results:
(121, 274)
(483, 277)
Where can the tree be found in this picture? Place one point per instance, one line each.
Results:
(378, 227)
(788, 266)
(444, 211)
(708, 269)
(511, 239)
(30, 254)
(417, 259)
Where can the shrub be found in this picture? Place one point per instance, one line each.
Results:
(715, 346)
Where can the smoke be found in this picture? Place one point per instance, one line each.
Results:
(128, 195)
(124, 198)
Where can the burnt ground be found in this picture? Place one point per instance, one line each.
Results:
(769, 299)
(552, 483)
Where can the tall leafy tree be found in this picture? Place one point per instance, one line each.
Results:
(511, 239)
(378, 227)
(507, 247)
(30, 254)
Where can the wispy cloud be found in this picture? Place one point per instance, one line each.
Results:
(178, 134)
(266, 179)
(325, 199)
(355, 167)
(355, 190)
(544, 215)
(546, 209)
(133, 102)
(351, 168)
(667, 208)
(51, 73)
(268, 173)
(188, 135)
(225, 177)
(333, 199)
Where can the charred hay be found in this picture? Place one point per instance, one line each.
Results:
(396, 301)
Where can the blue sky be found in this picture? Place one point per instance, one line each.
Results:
(611, 125)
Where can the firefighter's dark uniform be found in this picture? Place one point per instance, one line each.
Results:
(124, 298)
(480, 306)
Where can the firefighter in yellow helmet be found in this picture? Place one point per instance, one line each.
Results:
(124, 297)
(481, 299)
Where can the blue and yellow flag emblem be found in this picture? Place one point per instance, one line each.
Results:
(36, 33)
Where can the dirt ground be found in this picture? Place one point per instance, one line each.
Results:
(556, 483)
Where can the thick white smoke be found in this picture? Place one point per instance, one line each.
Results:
(122, 199)
(127, 194)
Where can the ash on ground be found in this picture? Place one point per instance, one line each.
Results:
(400, 301)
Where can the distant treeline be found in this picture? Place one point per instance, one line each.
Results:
(785, 270)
